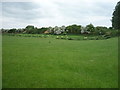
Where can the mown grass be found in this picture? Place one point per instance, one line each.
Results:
(0, 61)
(30, 62)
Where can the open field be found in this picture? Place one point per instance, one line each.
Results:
(0, 61)
(30, 62)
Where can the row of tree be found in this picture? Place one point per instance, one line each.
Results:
(28, 30)
(71, 29)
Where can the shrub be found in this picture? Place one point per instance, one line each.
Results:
(85, 38)
(70, 39)
(62, 37)
(57, 37)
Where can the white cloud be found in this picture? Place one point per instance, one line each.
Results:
(57, 12)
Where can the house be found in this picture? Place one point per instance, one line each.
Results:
(46, 32)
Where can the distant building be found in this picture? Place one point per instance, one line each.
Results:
(46, 32)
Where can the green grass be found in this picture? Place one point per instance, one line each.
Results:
(0, 61)
(30, 62)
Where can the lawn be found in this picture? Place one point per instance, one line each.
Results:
(0, 61)
(30, 62)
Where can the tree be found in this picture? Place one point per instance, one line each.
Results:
(100, 30)
(74, 29)
(116, 17)
(90, 28)
(12, 30)
(43, 29)
(29, 29)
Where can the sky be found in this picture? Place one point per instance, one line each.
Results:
(45, 13)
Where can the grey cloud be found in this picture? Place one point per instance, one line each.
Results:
(83, 9)
(54, 12)
(20, 5)
(21, 10)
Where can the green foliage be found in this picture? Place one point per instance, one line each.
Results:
(113, 32)
(29, 29)
(73, 29)
(43, 29)
(116, 17)
(100, 30)
(12, 30)
(90, 28)
(39, 31)
(34, 30)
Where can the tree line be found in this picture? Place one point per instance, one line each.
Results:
(89, 29)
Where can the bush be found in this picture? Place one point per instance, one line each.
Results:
(57, 37)
(92, 38)
(70, 39)
(85, 38)
(114, 33)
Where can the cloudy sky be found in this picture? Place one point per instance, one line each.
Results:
(44, 13)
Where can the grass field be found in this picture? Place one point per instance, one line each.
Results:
(0, 61)
(30, 62)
